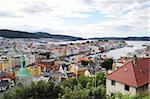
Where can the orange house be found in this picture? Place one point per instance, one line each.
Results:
(0, 66)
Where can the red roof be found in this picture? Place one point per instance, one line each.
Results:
(133, 74)
(7, 75)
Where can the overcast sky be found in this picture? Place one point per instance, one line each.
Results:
(82, 18)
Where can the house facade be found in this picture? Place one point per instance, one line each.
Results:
(132, 78)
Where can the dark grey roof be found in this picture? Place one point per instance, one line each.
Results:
(4, 83)
(3, 74)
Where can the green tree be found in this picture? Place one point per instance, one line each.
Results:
(84, 89)
(107, 64)
(128, 96)
(100, 78)
(39, 90)
(83, 81)
(71, 88)
(70, 83)
(84, 63)
(99, 92)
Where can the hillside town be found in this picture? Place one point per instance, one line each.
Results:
(24, 61)
(74, 49)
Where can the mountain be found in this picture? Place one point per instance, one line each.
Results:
(121, 38)
(21, 34)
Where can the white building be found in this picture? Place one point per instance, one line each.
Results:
(132, 78)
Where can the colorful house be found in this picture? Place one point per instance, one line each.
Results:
(5, 81)
(4, 65)
(78, 71)
(35, 71)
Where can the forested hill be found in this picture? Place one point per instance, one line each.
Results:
(21, 34)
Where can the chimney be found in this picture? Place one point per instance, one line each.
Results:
(134, 59)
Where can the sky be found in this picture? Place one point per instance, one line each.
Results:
(80, 18)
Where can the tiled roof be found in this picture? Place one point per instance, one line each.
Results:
(133, 74)
(4, 83)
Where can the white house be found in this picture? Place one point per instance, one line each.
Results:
(132, 78)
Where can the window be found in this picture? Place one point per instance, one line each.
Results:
(143, 88)
(112, 82)
(24, 64)
(127, 87)
(112, 94)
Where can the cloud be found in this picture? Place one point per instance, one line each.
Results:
(36, 7)
(4, 13)
(117, 17)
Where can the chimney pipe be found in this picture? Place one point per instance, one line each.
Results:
(134, 59)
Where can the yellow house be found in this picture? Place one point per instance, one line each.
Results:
(4, 65)
(1, 66)
(10, 62)
(80, 71)
(35, 71)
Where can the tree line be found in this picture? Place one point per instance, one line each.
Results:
(72, 88)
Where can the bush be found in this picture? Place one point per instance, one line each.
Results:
(107, 64)
(84, 63)
(37, 90)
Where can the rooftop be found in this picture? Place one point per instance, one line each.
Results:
(23, 72)
(132, 74)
